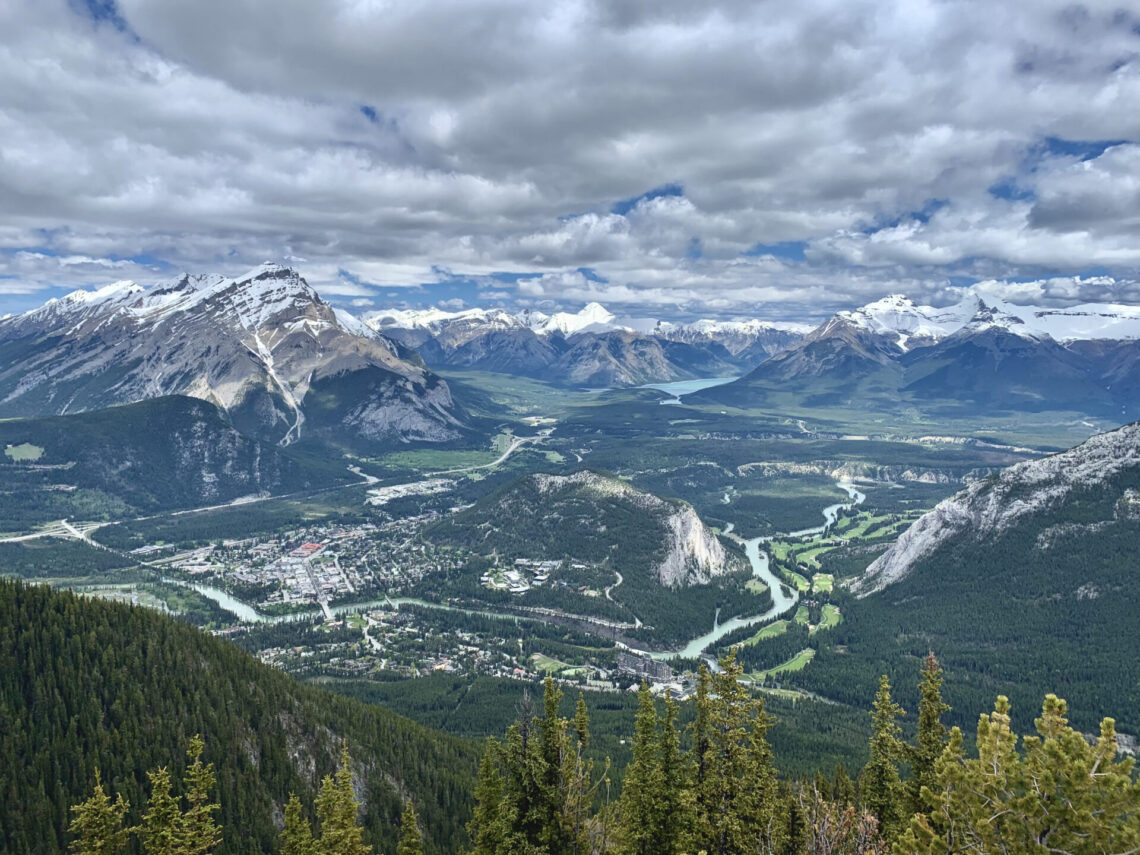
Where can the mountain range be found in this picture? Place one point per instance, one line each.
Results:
(976, 355)
(589, 348)
(264, 347)
(285, 366)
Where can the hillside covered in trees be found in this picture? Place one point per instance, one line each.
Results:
(87, 685)
(159, 454)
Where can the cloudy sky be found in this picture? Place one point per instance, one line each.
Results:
(667, 158)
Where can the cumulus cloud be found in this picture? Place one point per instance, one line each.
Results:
(818, 154)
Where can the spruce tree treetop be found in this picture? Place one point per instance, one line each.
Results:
(198, 833)
(98, 824)
(880, 787)
(411, 841)
(337, 810)
(296, 837)
(931, 737)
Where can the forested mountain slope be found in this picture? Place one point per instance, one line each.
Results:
(88, 685)
(660, 566)
(1022, 583)
(164, 453)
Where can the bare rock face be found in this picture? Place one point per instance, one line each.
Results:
(255, 345)
(695, 555)
(992, 505)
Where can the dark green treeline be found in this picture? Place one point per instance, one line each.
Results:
(88, 685)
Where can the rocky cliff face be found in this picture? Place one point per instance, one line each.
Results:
(989, 507)
(694, 554)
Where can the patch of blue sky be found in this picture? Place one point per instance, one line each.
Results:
(1082, 149)
(1010, 190)
(789, 250)
(624, 206)
(104, 12)
(591, 274)
(919, 215)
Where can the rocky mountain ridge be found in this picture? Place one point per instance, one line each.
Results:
(913, 325)
(591, 347)
(262, 346)
(973, 357)
(991, 506)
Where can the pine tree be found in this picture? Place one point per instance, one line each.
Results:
(337, 810)
(198, 833)
(577, 774)
(582, 723)
(161, 821)
(552, 731)
(1064, 795)
(880, 788)
(700, 731)
(931, 737)
(671, 803)
(737, 803)
(639, 827)
(98, 824)
(410, 842)
(842, 789)
(523, 811)
(296, 837)
(486, 825)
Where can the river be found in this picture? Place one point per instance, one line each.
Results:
(248, 614)
(783, 596)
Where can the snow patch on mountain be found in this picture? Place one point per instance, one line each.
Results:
(991, 506)
(593, 317)
(435, 319)
(897, 316)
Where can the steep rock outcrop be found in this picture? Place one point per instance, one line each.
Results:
(991, 506)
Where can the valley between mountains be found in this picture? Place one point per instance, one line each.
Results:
(430, 512)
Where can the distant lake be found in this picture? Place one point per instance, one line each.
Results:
(684, 387)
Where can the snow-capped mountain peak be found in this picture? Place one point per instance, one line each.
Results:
(897, 315)
(996, 317)
(899, 318)
(255, 344)
(593, 317)
(433, 318)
